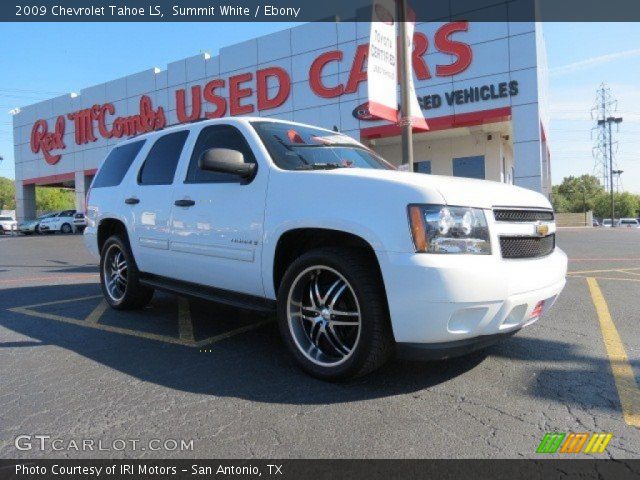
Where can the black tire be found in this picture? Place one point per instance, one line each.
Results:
(133, 294)
(66, 228)
(374, 343)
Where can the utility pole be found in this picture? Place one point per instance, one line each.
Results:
(617, 173)
(608, 122)
(405, 87)
(604, 106)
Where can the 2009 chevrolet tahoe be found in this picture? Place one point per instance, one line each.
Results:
(357, 258)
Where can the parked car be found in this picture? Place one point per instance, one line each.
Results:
(606, 222)
(628, 222)
(357, 259)
(595, 223)
(79, 222)
(62, 222)
(29, 227)
(8, 225)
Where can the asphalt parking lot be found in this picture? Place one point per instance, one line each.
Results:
(72, 369)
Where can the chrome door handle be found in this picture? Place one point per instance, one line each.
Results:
(184, 203)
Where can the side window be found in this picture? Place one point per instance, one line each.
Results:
(422, 167)
(160, 165)
(470, 167)
(217, 136)
(116, 165)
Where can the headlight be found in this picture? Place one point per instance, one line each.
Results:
(444, 229)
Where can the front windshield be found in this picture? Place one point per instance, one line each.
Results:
(295, 147)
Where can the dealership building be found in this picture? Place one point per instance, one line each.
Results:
(481, 86)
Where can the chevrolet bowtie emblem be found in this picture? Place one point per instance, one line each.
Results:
(542, 229)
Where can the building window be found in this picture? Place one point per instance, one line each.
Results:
(470, 167)
(422, 167)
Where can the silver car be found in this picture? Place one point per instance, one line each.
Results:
(29, 227)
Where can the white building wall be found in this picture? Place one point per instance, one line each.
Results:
(502, 51)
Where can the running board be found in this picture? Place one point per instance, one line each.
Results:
(227, 297)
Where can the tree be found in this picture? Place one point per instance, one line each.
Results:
(579, 193)
(7, 194)
(626, 205)
(49, 199)
(560, 203)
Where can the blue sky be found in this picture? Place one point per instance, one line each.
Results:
(60, 58)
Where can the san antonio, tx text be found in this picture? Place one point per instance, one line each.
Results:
(35, 10)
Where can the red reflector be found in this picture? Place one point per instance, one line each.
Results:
(537, 311)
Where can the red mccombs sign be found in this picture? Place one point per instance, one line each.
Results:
(206, 101)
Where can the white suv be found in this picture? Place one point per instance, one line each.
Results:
(357, 258)
(8, 225)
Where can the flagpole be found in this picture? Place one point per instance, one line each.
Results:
(404, 116)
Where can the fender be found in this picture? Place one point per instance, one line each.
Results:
(271, 238)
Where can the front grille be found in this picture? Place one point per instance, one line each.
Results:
(527, 247)
(505, 215)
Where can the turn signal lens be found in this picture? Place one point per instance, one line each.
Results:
(418, 230)
(537, 310)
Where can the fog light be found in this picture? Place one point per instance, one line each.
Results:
(537, 310)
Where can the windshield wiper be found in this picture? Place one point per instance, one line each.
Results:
(319, 166)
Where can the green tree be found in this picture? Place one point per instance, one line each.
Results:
(626, 205)
(560, 203)
(49, 199)
(7, 194)
(579, 192)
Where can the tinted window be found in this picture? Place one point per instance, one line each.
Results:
(115, 166)
(422, 167)
(297, 147)
(160, 165)
(217, 136)
(470, 167)
(67, 213)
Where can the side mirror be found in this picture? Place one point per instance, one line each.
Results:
(225, 160)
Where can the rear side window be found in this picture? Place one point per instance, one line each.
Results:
(115, 166)
(217, 136)
(160, 165)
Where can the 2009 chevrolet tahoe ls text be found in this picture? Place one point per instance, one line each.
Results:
(358, 259)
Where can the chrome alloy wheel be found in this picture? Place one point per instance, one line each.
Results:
(115, 273)
(324, 316)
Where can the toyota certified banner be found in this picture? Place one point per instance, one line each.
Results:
(383, 61)
(383, 66)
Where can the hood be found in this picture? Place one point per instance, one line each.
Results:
(457, 191)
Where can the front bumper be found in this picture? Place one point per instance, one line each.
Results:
(436, 299)
(457, 348)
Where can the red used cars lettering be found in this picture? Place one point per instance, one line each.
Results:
(315, 75)
(215, 99)
(240, 90)
(262, 83)
(237, 93)
(459, 49)
(196, 105)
